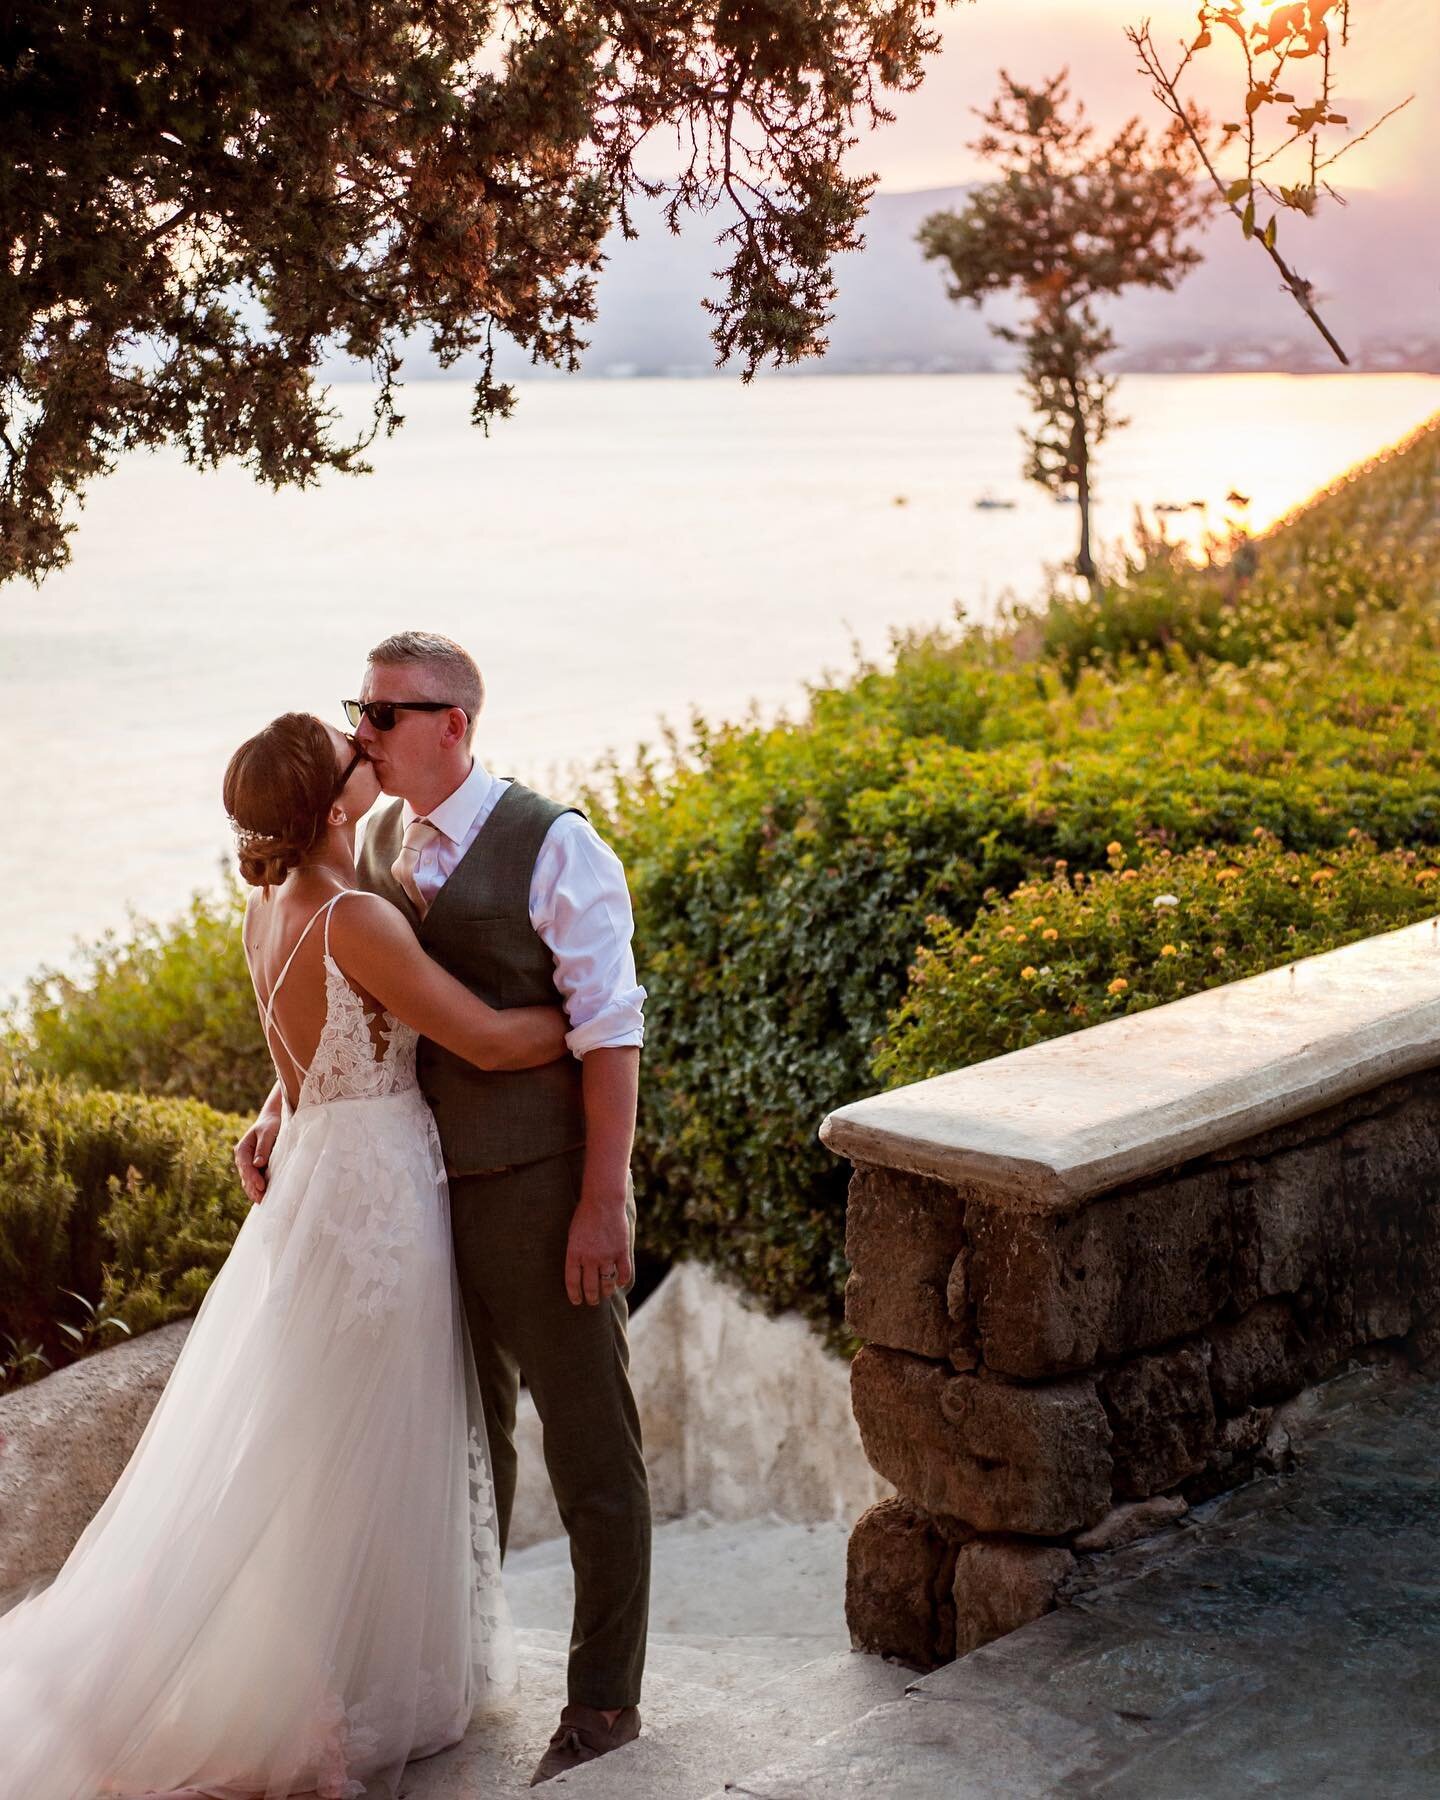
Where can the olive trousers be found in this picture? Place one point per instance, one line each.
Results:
(511, 1229)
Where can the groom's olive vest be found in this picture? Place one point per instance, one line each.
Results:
(478, 927)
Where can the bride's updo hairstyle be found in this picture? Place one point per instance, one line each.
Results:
(278, 788)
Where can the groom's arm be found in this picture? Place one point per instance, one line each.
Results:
(580, 906)
(600, 1229)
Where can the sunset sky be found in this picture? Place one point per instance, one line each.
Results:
(1394, 51)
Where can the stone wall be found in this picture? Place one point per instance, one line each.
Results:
(1041, 1384)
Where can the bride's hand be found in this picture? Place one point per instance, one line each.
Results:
(252, 1153)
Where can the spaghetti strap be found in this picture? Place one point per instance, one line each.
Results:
(270, 1022)
(364, 894)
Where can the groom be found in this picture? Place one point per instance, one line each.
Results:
(521, 900)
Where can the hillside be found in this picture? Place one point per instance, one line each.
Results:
(1391, 502)
(891, 313)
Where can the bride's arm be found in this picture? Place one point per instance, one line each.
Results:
(377, 949)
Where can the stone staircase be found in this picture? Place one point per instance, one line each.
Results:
(748, 1665)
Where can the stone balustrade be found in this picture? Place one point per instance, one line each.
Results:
(1090, 1274)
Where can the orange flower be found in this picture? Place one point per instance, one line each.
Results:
(1050, 934)
(1129, 874)
(1118, 985)
(1167, 949)
(1115, 848)
(976, 958)
(1218, 952)
(1027, 973)
(1226, 874)
(1322, 875)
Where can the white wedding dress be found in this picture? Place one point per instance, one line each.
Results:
(294, 1586)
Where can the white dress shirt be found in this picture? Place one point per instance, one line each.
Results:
(579, 907)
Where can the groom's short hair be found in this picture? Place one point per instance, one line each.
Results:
(455, 669)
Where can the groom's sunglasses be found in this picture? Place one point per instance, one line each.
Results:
(381, 713)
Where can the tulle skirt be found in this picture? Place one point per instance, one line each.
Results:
(294, 1586)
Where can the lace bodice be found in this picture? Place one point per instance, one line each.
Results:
(360, 1055)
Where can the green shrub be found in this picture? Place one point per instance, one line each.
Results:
(783, 883)
(131, 1202)
(168, 1010)
(1163, 605)
(1072, 950)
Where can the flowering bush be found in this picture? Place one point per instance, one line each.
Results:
(1072, 949)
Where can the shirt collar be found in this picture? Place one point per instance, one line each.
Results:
(457, 812)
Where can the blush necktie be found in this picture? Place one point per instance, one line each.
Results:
(418, 833)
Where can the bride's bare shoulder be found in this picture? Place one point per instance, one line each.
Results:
(374, 918)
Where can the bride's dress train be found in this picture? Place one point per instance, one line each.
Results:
(294, 1586)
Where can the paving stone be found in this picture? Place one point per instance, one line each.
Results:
(1283, 1640)
(921, 1749)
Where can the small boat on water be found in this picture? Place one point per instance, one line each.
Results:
(989, 502)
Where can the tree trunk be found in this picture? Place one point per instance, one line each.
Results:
(1080, 460)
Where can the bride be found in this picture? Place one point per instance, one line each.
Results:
(294, 1586)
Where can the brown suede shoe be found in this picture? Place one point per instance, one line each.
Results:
(582, 1736)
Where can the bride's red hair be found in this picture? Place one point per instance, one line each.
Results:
(278, 788)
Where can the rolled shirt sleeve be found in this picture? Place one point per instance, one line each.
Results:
(580, 907)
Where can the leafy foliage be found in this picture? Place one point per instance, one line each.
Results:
(115, 1212)
(1278, 130)
(168, 1010)
(198, 202)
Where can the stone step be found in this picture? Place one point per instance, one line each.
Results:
(746, 1662)
(701, 1755)
(1283, 1644)
(685, 1679)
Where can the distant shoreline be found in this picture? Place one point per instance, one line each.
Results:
(1369, 360)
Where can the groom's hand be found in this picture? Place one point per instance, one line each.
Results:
(252, 1155)
(600, 1232)
(599, 1242)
